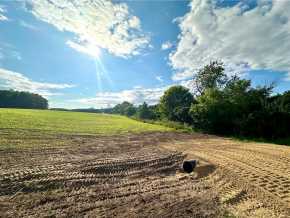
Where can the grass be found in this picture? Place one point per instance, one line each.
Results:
(180, 127)
(65, 122)
(283, 141)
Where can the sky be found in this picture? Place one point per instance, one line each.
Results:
(98, 53)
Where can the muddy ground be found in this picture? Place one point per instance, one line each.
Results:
(139, 176)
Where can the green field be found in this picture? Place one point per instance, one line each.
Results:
(65, 122)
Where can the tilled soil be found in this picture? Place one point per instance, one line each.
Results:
(256, 179)
(120, 176)
(139, 176)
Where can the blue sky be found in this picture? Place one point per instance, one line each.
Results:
(99, 53)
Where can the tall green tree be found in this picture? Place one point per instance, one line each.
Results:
(211, 76)
(175, 103)
(281, 102)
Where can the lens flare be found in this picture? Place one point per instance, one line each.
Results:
(102, 74)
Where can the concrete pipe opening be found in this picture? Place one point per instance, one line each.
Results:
(189, 165)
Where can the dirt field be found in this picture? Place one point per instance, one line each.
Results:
(138, 176)
(253, 178)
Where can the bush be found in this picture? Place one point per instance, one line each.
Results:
(144, 112)
(263, 124)
(213, 113)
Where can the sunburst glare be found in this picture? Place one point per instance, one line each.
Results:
(102, 74)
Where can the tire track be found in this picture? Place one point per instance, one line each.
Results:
(265, 167)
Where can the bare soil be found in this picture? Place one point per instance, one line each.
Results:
(139, 176)
(253, 179)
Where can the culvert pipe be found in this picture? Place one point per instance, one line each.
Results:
(189, 165)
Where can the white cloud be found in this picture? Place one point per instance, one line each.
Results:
(96, 23)
(27, 25)
(166, 45)
(287, 78)
(2, 16)
(8, 51)
(247, 38)
(137, 96)
(159, 78)
(17, 81)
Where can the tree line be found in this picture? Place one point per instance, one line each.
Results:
(220, 104)
(16, 99)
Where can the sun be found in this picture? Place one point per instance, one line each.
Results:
(86, 48)
(93, 51)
